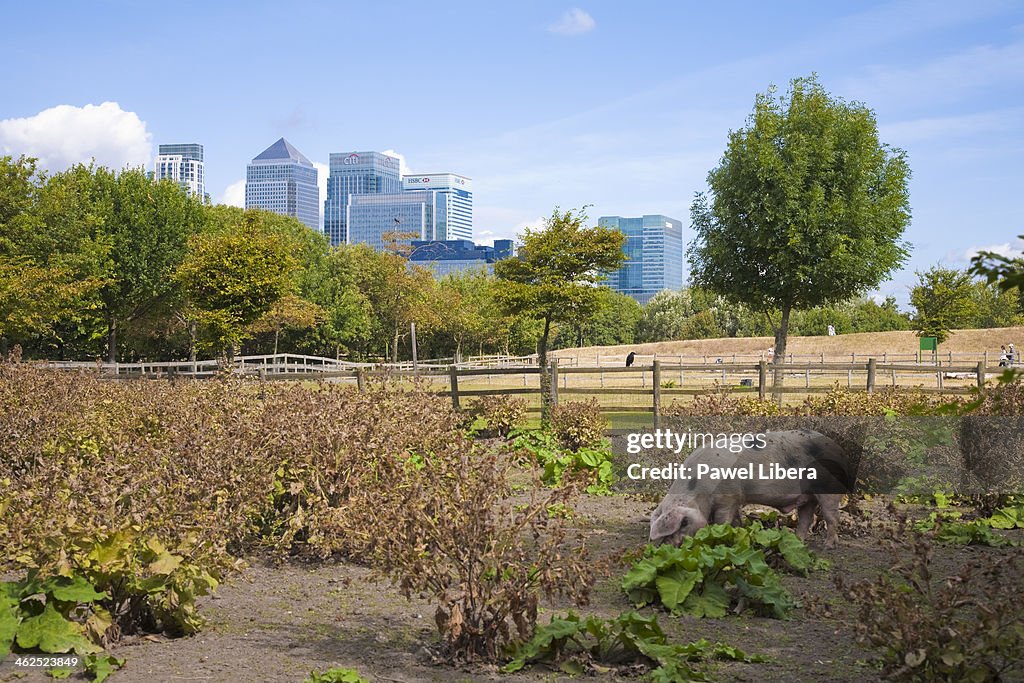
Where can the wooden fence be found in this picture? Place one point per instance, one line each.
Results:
(640, 388)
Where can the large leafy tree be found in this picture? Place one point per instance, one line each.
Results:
(943, 300)
(552, 279)
(806, 208)
(233, 276)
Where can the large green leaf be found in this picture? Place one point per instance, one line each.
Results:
(9, 618)
(675, 586)
(51, 632)
(73, 589)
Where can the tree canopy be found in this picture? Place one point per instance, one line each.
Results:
(807, 207)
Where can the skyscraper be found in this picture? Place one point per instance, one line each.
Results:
(184, 165)
(282, 180)
(654, 249)
(369, 217)
(453, 213)
(355, 173)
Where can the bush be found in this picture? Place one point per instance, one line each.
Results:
(450, 527)
(578, 424)
(718, 566)
(500, 414)
(965, 627)
(594, 463)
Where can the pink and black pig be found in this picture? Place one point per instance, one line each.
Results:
(798, 470)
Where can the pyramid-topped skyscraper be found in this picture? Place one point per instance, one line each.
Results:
(281, 179)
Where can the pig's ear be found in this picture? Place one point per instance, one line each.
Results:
(667, 524)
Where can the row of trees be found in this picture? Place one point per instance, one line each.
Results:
(98, 264)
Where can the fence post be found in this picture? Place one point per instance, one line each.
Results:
(872, 362)
(762, 379)
(554, 381)
(981, 374)
(360, 379)
(453, 375)
(657, 393)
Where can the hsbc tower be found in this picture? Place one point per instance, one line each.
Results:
(453, 210)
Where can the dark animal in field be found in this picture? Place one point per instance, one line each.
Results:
(696, 501)
(630, 358)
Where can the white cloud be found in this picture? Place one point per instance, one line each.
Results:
(573, 22)
(1005, 249)
(403, 167)
(66, 135)
(234, 194)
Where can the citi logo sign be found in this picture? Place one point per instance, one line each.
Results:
(351, 159)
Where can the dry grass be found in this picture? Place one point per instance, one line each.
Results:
(863, 344)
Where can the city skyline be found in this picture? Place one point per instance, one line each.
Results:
(622, 108)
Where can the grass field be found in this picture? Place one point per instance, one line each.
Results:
(905, 344)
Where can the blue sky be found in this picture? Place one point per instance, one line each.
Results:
(624, 107)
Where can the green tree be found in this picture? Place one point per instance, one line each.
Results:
(231, 277)
(613, 322)
(330, 283)
(1007, 272)
(288, 312)
(995, 307)
(866, 315)
(807, 207)
(553, 277)
(943, 301)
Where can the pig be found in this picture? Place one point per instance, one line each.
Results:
(694, 502)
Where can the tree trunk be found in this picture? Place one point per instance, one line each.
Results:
(545, 373)
(276, 334)
(394, 347)
(112, 341)
(781, 336)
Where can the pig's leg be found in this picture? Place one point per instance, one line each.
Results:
(829, 506)
(726, 513)
(805, 515)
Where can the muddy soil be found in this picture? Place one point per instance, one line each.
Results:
(277, 623)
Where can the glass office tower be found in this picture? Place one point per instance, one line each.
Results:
(184, 165)
(654, 249)
(356, 173)
(369, 217)
(284, 181)
(453, 212)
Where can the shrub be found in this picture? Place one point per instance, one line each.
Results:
(964, 627)
(55, 615)
(718, 566)
(576, 645)
(594, 463)
(500, 414)
(578, 424)
(451, 528)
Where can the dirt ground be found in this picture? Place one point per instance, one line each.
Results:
(277, 623)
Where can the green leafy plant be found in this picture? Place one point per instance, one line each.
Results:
(946, 527)
(338, 674)
(56, 615)
(595, 462)
(575, 645)
(1008, 518)
(718, 566)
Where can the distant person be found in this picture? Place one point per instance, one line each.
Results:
(630, 358)
(1013, 354)
(1004, 356)
(831, 330)
(771, 354)
(718, 361)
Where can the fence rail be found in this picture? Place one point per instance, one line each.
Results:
(642, 387)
